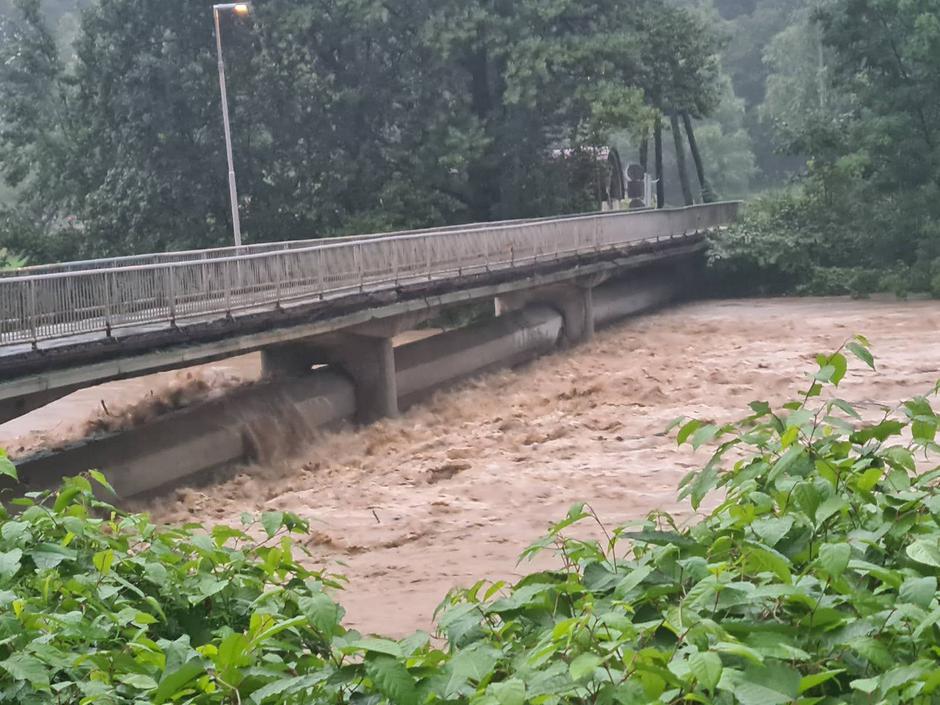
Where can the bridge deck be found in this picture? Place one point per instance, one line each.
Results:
(44, 311)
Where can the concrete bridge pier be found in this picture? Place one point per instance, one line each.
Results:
(575, 303)
(369, 361)
(365, 353)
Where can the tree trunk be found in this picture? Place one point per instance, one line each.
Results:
(708, 196)
(484, 177)
(660, 178)
(645, 151)
(680, 159)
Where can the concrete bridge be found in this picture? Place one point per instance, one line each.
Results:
(338, 303)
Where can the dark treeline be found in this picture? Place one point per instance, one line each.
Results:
(364, 115)
(348, 115)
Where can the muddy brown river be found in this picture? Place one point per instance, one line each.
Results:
(453, 490)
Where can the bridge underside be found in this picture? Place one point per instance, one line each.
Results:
(353, 331)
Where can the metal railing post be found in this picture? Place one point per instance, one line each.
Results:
(107, 303)
(427, 241)
(31, 314)
(227, 280)
(357, 258)
(171, 292)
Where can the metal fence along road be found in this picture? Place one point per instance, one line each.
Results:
(102, 296)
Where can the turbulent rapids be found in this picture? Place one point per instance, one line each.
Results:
(459, 485)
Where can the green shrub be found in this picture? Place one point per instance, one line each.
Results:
(97, 606)
(813, 580)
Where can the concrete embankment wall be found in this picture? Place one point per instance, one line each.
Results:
(276, 417)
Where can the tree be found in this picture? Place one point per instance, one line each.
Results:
(538, 77)
(347, 116)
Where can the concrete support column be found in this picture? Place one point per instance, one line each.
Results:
(368, 360)
(577, 310)
(371, 364)
(575, 303)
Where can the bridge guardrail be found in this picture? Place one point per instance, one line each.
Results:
(250, 249)
(48, 306)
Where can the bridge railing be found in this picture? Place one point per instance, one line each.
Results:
(40, 307)
(251, 249)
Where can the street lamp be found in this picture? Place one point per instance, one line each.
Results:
(241, 9)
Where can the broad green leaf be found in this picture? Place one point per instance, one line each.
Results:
(413, 642)
(834, 558)
(140, 681)
(287, 686)
(703, 435)
(773, 684)
(375, 645)
(927, 623)
(772, 529)
(861, 351)
(687, 430)
(706, 667)
(392, 679)
(509, 692)
(867, 480)
(99, 477)
(866, 685)
(901, 457)
(760, 559)
(632, 580)
(472, 664)
(785, 462)
(811, 681)
(322, 612)
(704, 483)
(23, 667)
(103, 560)
(207, 587)
(272, 522)
(919, 591)
(276, 628)
(873, 650)
(13, 531)
(761, 408)
(47, 556)
(881, 432)
(7, 468)
(828, 508)
(10, 563)
(832, 369)
(845, 407)
(924, 430)
(925, 551)
(233, 652)
(740, 650)
(582, 667)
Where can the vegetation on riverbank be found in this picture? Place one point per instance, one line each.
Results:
(813, 580)
(866, 215)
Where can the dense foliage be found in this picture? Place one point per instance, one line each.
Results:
(349, 116)
(866, 215)
(813, 580)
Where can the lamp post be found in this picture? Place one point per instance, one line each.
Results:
(242, 9)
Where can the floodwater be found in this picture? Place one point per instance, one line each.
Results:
(456, 488)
